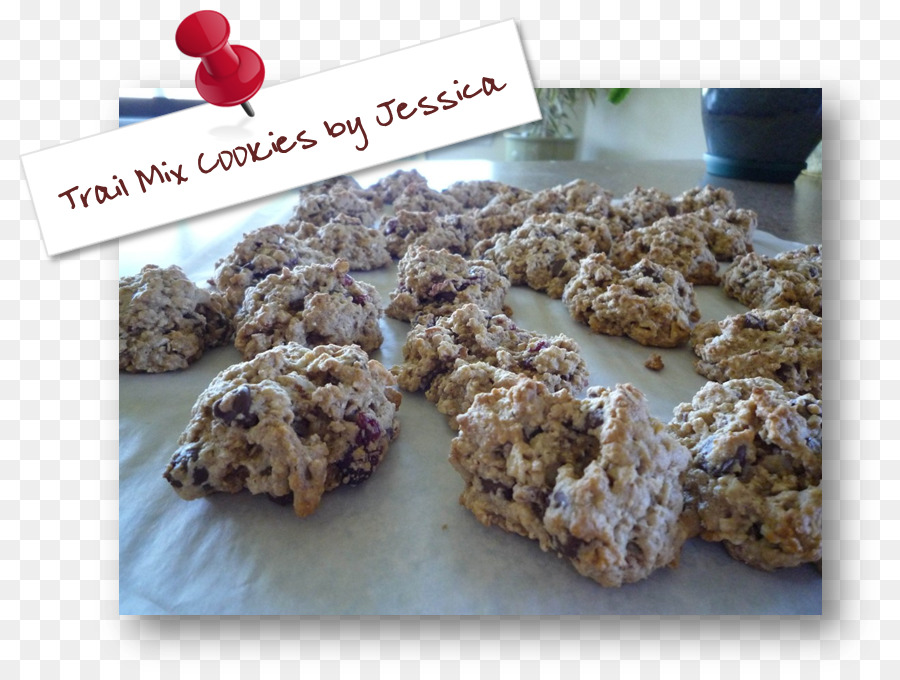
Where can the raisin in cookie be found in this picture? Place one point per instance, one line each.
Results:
(787, 279)
(317, 304)
(784, 345)
(438, 281)
(347, 238)
(676, 242)
(435, 358)
(756, 471)
(595, 480)
(649, 303)
(292, 422)
(261, 252)
(409, 228)
(166, 321)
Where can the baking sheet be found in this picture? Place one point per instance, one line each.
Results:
(400, 543)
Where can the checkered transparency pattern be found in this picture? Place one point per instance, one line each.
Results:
(62, 65)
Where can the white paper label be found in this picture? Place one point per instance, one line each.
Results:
(206, 158)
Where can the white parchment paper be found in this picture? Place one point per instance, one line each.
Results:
(399, 543)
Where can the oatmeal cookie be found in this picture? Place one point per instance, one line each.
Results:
(166, 321)
(325, 186)
(261, 252)
(292, 422)
(784, 345)
(318, 304)
(322, 208)
(707, 196)
(729, 234)
(347, 238)
(787, 279)
(643, 206)
(422, 198)
(649, 303)
(586, 197)
(389, 188)
(408, 228)
(755, 477)
(435, 357)
(438, 281)
(596, 480)
(475, 194)
(676, 242)
(544, 253)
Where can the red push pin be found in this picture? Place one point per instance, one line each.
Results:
(227, 75)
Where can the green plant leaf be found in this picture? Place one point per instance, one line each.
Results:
(617, 94)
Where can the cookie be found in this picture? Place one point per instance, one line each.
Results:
(649, 303)
(261, 252)
(585, 197)
(544, 253)
(676, 242)
(326, 185)
(409, 228)
(787, 279)
(292, 423)
(784, 345)
(475, 194)
(729, 233)
(596, 480)
(322, 208)
(502, 214)
(317, 304)
(422, 198)
(707, 196)
(166, 321)
(644, 206)
(347, 238)
(389, 188)
(435, 357)
(755, 477)
(437, 282)
(619, 220)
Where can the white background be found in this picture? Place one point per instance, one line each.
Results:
(63, 65)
